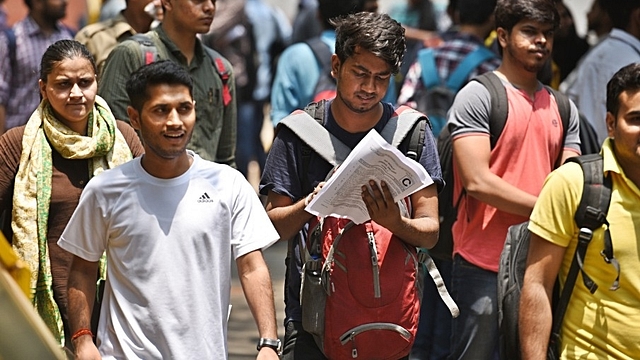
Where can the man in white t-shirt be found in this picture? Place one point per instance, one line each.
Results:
(170, 223)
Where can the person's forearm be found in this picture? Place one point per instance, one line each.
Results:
(494, 191)
(534, 322)
(288, 220)
(81, 293)
(256, 284)
(419, 232)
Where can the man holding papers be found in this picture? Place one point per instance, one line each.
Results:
(369, 50)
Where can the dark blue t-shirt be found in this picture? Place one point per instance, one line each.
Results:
(283, 175)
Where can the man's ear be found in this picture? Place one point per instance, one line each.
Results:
(134, 117)
(611, 124)
(502, 36)
(335, 66)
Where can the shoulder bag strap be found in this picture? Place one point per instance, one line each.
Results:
(499, 104)
(459, 76)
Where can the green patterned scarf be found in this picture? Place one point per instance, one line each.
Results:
(104, 145)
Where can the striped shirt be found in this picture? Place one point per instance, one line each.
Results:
(19, 92)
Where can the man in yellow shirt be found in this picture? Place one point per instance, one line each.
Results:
(602, 325)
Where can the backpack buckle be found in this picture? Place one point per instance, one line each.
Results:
(596, 215)
(585, 235)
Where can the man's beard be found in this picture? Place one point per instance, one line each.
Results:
(528, 66)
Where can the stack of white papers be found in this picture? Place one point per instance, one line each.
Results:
(372, 159)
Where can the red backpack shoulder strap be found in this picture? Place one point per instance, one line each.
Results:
(224, 71)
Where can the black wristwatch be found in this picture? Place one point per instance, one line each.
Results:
(275, 344)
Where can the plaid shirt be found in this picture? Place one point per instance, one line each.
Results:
(448, 56)
(19, 91)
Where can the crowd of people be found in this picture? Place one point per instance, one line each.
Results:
(126, 146)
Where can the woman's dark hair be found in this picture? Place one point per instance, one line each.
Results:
(626, 79)
(377, 33)
(157, 73)
(62, 50)
(510, 12)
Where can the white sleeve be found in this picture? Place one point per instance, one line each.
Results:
(251, 228)
(86, 233)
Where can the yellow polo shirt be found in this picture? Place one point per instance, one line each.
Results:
(604, 325)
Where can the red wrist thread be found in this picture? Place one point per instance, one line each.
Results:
(81, 332)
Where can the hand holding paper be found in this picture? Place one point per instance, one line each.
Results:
(372, 159)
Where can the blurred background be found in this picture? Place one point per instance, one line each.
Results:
(81, 12)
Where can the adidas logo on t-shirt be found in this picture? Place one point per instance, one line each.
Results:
(205, 198)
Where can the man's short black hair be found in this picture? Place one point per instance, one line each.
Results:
(510, 12)
(157, 73)
(626, 79)
(377, 33)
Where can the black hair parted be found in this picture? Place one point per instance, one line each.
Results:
(62, 50)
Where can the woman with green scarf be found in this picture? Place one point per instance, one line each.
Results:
(44, 165)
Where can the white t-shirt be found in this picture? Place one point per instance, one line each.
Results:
(169, 245)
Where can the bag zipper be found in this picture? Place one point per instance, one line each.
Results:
(351, 334)
(374, 264)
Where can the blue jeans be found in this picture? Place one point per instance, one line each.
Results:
(475, 331)
(433, 339)
(249, 145)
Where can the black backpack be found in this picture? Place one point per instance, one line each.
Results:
(326, 86)
(590, 215)
(588, 138)
(447, 205)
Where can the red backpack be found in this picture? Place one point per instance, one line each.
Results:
(361, 285)
(371, 280)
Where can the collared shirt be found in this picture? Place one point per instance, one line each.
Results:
(448, 57)
(214, 134)
(589, 91)
(602, 325)
(19, 91)
(102, 37)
